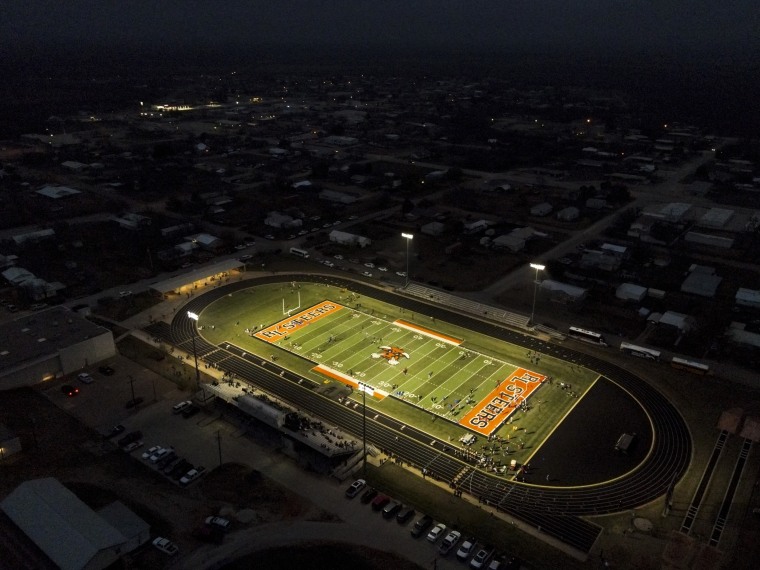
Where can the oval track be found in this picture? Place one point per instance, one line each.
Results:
(554, 510)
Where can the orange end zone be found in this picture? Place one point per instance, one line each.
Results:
(428, 332)
(280, 330)
(349, 381)
(488, 415)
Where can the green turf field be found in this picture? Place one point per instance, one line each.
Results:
(434, 377)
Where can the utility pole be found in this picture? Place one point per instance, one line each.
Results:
(132, 386)
(219, 445)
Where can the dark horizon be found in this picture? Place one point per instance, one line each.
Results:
(714, 89)
(573, 26)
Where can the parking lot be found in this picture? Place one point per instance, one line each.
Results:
(198, 439)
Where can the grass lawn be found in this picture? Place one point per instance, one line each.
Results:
(428, 369)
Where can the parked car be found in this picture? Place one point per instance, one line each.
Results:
(106, 370)
(355, 487)
(166, 546)
(191, 476)
(115, 430)
(190, 411)
(151, 451)
(449, 542)
(69, 390)
(368, 495)
(404, 515)
(85, 378)
(166, 459)
(160, 454)
(391, 509)
(436, 532)
(422, 524)
(481, 558)
(379, 502)
(125, 293)
(129, 438)
(497, 563)
(176, 470)
(167, 465)
(219, 522)
(367, 273)
(370, 265)
(130, 447)
(467, 548)
(178, 408)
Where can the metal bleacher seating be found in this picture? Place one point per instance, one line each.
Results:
(469, 306)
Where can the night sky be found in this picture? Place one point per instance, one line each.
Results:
(659, 25)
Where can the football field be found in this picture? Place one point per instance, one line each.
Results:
(407, 364)
(417, 365)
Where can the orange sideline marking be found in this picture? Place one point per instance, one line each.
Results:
(346, 379)
(428, 332)
(278, 331)
(490, 413)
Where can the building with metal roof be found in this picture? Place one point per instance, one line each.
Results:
(199, 274)
(69, 532)
(49, 344)
(748, 297)
(701, 281)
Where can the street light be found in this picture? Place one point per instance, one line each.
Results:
(538, 267)
(195, 317)
(408, 238)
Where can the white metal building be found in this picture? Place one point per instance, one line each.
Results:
(69, 532)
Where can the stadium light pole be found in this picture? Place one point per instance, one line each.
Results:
(363, 388)
(194, 317)
(538, 267)
(408, 238)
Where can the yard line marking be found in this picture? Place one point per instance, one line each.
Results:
(494, 409)
(427, 332)
(280, 330)
(348, 380)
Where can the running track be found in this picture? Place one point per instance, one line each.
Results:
(555, 511)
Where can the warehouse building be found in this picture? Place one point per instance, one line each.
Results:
(49, 344)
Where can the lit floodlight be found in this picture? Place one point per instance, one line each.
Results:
(538, 267)
(408, 238)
